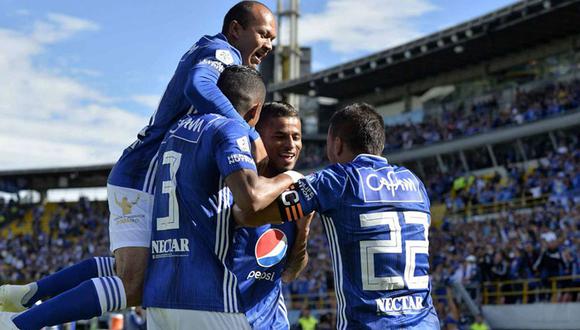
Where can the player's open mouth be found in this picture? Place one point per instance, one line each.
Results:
(258, 56)
(256, 59)
(288, 156)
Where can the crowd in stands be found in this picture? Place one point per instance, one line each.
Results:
(464, 119)
(10, 210)
(556, 175)
(77, 231)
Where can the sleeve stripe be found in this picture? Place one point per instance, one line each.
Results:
(288, 215)
(294, 212)
(300, 213)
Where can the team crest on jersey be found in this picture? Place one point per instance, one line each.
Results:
(224, 56)
(271, 247)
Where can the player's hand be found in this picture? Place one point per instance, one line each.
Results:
(303, 224)
(294, 175)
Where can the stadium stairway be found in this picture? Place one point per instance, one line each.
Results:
(49, 210)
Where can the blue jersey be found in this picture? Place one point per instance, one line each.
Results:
(376, 218)
(258, 259)
(192, 229)
(206, 59)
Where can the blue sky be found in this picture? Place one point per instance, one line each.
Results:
(80, 78)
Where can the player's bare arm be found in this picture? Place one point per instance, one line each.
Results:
(298, 258)
(253, 193)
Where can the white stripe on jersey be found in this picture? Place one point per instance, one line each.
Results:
(150, 172)
(282, 307)
(337, 265)
(221, 248)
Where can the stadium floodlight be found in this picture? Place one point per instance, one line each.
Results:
(341, 75)
(325, 79)
(408, 54)
(373, 64)
(454, 38)
(424, 48)
(312, 84)
(312, 93)
(357, 70)
(469, 33)
(389, 60)
(458, 49)
(441, 43)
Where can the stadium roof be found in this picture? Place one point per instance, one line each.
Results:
(50, 178)
(514, 28)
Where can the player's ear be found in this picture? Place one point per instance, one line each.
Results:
(253, 115)
(338, 146)
(234, 29)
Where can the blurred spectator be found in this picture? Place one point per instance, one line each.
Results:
(306, 320)
(479, 324)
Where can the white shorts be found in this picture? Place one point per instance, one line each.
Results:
(178, 319)
(130, 219)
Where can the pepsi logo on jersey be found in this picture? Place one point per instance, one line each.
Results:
(271, 247)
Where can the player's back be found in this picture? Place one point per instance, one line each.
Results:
(136, 167)
(191, 224)
(376, 218)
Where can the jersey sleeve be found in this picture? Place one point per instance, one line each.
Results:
(320, 191)
(233, 149)
(201, 88)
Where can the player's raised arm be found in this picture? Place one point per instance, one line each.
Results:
(317, 192)
(253, 193)
(248, 31)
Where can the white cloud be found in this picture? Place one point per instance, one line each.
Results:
(48, 118)
(149, 101)
(365, 25)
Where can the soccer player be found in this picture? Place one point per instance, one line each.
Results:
(265, 256)
(205, 164)
(376, 218)
(246, 38)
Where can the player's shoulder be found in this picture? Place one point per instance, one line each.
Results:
(218, 47)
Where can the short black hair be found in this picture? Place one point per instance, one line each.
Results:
(276, 110)
(242, 13)
(243, 86)
(359, 126)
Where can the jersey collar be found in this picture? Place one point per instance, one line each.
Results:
(370, 156)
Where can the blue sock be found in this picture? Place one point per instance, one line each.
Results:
(90, 299)
(70, 277)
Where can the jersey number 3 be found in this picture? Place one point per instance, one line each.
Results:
(171, 221)
(368, 249)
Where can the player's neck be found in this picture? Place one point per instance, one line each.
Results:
(271, 172)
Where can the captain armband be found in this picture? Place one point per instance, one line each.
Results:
(289, 205)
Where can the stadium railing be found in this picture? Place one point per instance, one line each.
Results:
(491, 208)
(530, 290)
